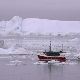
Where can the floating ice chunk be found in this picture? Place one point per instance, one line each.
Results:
(15, 63)
(8, 57)
(40, 62)
(53, 61)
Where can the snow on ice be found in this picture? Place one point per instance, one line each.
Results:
(32, 36)
(33, 25)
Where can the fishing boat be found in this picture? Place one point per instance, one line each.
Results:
(52, 55)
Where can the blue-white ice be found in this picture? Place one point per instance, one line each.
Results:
(56, 63)
(35, 25)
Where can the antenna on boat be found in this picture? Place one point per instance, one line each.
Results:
(62, 47)
(50, 46)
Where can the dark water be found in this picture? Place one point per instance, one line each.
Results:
(18, 68)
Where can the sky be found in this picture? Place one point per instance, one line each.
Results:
(45, 9)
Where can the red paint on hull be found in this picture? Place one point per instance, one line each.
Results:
(49, 58)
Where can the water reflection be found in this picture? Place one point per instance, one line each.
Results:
(55, 71)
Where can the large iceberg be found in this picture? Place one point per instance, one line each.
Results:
(35, 25)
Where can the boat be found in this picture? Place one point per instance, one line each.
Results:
(52, 55)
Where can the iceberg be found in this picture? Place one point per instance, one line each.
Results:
(35, 25)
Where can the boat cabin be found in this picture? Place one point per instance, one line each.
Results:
(52, 53)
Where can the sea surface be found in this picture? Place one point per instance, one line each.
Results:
(27, 67)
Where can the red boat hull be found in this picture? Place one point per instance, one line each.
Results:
(49, 58)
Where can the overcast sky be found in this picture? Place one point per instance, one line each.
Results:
(48, 9)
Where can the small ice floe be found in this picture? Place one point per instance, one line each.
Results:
(20, 56)
(40, 62)
(56, 62)
(53, 61)
(61, 63)
(12, 64)
(71, 63)
(7, 57)
(65, 63)
(15, 62)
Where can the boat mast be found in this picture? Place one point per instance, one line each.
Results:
(62, 47)
(50, 46)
